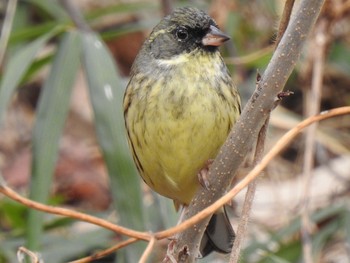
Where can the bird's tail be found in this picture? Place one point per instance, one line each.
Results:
(218, 236)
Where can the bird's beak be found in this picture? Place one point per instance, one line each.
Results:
(214, 37)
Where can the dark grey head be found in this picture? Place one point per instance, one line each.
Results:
(184, 30)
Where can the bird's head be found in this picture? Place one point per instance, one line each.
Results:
(183, 31)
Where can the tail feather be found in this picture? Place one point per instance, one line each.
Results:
(218, 236)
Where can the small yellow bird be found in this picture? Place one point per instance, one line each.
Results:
(179, 107)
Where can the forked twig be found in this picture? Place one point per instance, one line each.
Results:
(148, 250)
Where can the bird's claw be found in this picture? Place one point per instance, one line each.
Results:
(203, 174)
(169, 254)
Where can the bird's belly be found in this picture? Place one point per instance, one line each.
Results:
(179, 134)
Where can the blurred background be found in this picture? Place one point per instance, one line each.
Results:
(62, 142)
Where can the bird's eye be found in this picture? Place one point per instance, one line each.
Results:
(181, 33)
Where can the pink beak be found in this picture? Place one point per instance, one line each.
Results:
(214, 37)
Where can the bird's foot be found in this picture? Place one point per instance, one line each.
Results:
(203, 174)
(169, 254)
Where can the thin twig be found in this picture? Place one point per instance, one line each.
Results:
(147, 251)
(287, 12)
(6, 27)
(167, 6)
(34, 257)
(249, 57)
(249, 197)
(73, 214)
(313, 100)
(106, 252)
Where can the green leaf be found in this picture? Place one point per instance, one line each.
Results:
(323, 235)
(12, 215)
(106, 93)
(17, 67)
(32, 31)
(339, 56)
(276, 259)
(36, 66)
(52, 7)
(52, 111)
(283, 239)
(346, 225)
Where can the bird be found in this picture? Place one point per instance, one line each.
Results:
(179, 107)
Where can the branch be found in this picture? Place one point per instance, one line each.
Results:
(259, 152)
(167, 6)
(286, 15)
(147, 251)
(249, 197)
(72, 214)
(245, 132)
(34, 257)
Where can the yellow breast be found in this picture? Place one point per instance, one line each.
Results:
(179, 119)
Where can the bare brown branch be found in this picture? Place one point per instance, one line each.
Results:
(287, 12)
(245, 132)
(34, 257)
(147, 251)
(249, 198)
(167, 6)
(73, 214)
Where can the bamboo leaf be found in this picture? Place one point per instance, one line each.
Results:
(52, 111)
(52, 7)
(106, 95)
(29, 32)
(17, 67)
